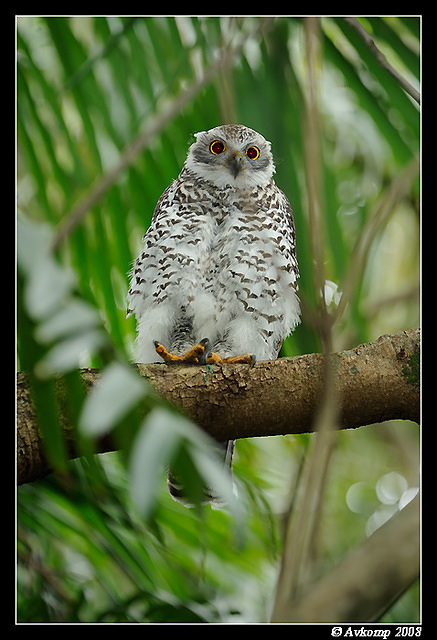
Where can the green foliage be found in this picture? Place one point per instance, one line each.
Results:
(101, 540)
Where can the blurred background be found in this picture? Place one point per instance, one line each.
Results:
(88, 88)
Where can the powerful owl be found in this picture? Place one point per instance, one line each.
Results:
(216, 279)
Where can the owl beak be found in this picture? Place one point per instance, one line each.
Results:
(236, 164)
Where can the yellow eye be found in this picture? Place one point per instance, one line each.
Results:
(217, 147)
(252, 153)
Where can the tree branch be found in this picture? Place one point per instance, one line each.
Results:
(368, 579)
(382, 60)
(375, 382)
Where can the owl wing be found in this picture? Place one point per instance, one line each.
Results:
(287, 270)
(137, 281)
(280, 215)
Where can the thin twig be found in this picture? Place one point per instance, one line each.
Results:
(382, 60)
(371, 309)
(312, 170)
(93, 195)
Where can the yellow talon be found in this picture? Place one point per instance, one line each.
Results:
(199, 355)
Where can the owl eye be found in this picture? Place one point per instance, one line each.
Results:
(216, 147)
(252, 153)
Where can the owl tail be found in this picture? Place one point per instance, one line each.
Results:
(176, 489)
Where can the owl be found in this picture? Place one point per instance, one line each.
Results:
(216, 279)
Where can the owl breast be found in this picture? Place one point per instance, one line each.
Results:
(218, 264)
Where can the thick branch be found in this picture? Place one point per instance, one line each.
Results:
(375, 382)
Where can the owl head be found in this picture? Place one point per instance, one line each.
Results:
(231, 155)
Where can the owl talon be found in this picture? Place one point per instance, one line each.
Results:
(195, 355)
(214, 358)
(246, 359)
(165, 355)
(200, 354)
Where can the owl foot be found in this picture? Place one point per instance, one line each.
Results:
(195, 355)
(211, 357)
(199, 354)
(248, 358)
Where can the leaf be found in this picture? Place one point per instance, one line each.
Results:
(151, 452)
(48, 283)
(165, 439)
(68, 328)
(71, 353)
(75, 318)
(118, 392)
